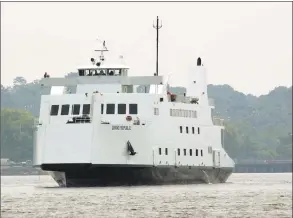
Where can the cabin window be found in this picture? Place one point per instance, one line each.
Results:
(102, 108)
(161, 99)
(196, 152)
(222, 137)
(156, 111)
(75, 109)
(201, 152)
(110, 109)
(180, 129)
(65, 109)
(178, 151)
(190, 152)
(184, 151)
(132, 108)
(166, 151)
(187, 129)
(54, 110)
(160, 151)
(192, 130)
(86, 109)
(198, 130)
(121, 108)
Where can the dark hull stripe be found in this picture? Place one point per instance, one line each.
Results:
(78, 175)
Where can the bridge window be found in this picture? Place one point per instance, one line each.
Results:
(75, 109)
(54, 110)
(192, 130)
(178, 151)
(110, 109)
(166, 151)
(190, 152)
(201, 152)
(180, 129)
(132, 108)
(65, 109)
(102, 108)
(121, 108)
(86, 109)
(184, 151)
(198, 130)
(187, 129)
(160, 151)
(81, 72)
(196, 152)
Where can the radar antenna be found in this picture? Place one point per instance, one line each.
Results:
(157, 27)
(104, 49)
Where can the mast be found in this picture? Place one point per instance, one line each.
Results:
(157, 27)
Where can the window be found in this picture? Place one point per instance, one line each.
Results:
(190, 152)
(121, 108)
(192, 130)
(132, 108)
(161, 99)
(156, 111)
(178, 151)
(110, 109)
(201, 152)
(65, 109)
(54, 110)
(196, 152)
(184, 151)
(187, 129)
(180, 129)
(198, 130)
(222, 137)
(75, 109)
(86, 109)
(160, 151)
(102, 108)
(166, 151)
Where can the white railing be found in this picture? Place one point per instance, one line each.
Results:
(218, 121)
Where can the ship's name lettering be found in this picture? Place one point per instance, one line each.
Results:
(121, 127)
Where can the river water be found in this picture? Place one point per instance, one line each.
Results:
(244, 195)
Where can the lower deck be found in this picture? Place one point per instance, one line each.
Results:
(78, 175)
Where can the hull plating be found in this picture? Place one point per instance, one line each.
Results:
(89, 175)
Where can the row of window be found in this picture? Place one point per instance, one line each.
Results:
(187, 130)
(191, 153)
(75, 109)
(183, 113)
(121, 109)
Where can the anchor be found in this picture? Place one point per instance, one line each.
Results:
(130, 149)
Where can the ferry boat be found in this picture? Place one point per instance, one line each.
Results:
(106, 133)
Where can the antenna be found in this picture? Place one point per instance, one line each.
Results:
(157, 27)
(102, 58)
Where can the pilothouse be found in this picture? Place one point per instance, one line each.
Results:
(107, 133)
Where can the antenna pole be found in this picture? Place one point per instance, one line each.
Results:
(157, 27)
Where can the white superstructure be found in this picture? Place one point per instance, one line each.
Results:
(107, 124)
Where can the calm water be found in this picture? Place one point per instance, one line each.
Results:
(244, 195)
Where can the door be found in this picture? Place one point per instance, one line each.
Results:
(216, 158)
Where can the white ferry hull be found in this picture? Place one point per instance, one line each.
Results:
(82, 175)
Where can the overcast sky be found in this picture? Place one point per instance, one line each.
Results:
(245, 45)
